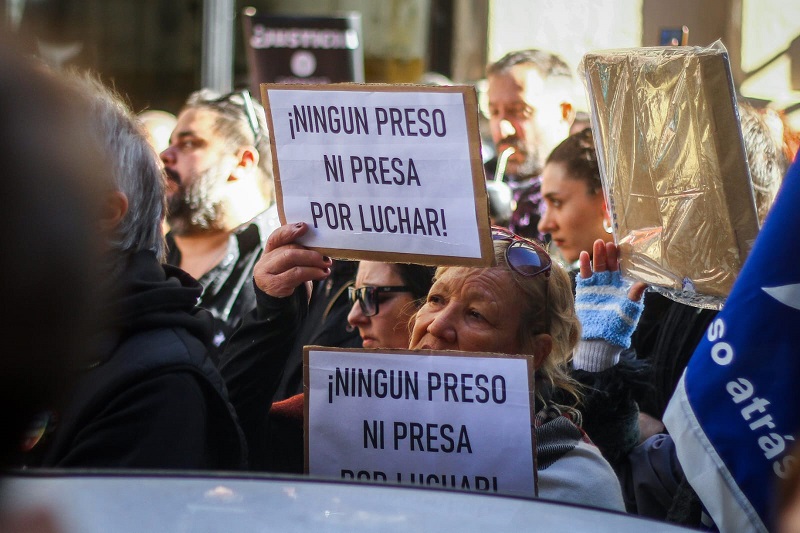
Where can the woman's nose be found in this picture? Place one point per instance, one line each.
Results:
(546, 223)
(356, 316)
(443, 327)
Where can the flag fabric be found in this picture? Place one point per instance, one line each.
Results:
(736, 411)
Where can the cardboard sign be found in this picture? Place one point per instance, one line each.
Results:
(384, 173)
(674, 167)
(297, 49)
(446, 419)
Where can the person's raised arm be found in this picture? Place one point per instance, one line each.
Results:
(285, 264)
(254, 358)
(608, 309)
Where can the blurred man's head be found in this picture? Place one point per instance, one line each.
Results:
(530, 105)
(218, 164)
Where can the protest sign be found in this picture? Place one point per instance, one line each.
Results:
(380, 172)
(446, 419)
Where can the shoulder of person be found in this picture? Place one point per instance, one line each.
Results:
(584, 477)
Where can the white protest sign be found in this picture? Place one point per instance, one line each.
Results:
(445, 419)
(381, 172)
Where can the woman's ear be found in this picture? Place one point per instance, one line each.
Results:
(115, 207)
(542, 346)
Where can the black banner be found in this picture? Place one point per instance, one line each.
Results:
(312, 50)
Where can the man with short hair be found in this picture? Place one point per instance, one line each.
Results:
(219, 170)
(149, 397)
(530, 107)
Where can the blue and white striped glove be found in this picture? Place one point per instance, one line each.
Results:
(604, 310)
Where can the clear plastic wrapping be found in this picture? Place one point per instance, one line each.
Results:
(673, 166)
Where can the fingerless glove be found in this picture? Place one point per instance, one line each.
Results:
(604, 310)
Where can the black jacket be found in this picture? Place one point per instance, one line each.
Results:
(154, 400)
(227, 288)
(253, 363)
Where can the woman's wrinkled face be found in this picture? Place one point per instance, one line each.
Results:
(470, 309)
(389, 328)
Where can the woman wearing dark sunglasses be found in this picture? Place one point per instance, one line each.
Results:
(384, 298)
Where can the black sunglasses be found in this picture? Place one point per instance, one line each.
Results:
(367, 297)
(243, 101)
(524, 256)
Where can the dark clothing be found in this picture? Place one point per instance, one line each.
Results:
(666, 337)
(154, 400)
(652, 479)
(654, 484)
(610, 412)
(253, 362)
(527, 199)
(227, 289)
(286, 439)
(325, 325)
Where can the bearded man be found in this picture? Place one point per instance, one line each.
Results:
(219, 173)
(530, 110)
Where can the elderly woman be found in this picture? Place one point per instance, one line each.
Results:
(524, 305)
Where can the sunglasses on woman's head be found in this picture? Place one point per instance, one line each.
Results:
(527, 258)
(524, 256)
(367, 297)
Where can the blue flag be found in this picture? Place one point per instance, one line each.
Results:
(736, 411)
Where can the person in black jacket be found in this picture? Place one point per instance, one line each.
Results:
(151, 398)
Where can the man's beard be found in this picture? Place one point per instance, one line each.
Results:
(197, 207)
(530, 166)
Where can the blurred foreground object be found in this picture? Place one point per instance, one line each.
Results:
(732, 416)
(674, 167)
(49, 241)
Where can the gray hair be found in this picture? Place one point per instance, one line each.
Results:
(764, 157)
(547, 64)
(234, 128)
(136, 170)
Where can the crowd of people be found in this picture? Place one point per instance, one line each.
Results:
(183, 349)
